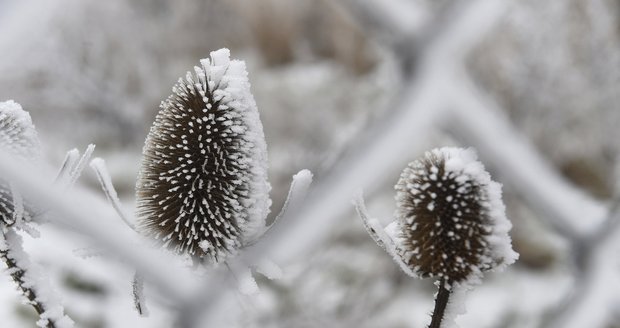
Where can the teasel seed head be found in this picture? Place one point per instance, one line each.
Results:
(18, 138)
(202, 189)
(451, 218)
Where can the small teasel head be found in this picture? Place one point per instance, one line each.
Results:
(202, 189)
(19, 139)
(451, 218)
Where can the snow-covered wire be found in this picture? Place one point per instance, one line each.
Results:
(590, 300)
(506, 151)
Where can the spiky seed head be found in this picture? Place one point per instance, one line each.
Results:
(18, 138)
(202, 189)
(451, 217)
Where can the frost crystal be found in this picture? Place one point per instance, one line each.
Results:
(18, 138)
(451, 218)
(202, 187)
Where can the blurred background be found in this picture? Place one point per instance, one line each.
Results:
(331, 79)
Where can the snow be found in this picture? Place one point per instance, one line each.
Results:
(18, 205)
(247, 283)
(269, 269)
(455, 307)
(17, 133)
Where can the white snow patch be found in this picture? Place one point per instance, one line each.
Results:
(269, 269)
(18, 135)
(247, 283)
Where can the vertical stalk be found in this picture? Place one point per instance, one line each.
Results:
(441, 302)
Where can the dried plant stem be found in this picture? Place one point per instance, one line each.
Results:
(18, 274)
(441, 302)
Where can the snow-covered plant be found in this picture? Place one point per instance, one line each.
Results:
(18, 139)
(450, 225)
(202, 188)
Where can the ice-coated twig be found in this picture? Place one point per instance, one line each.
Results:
(31, 283)
(139, 301)
(67, 166)
(76, 171)
(98, 165)
(377, 232)
(296, 194)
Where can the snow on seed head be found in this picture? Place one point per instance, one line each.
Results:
(202, 189)
(17, 133)
(18, 138)
(451, 217)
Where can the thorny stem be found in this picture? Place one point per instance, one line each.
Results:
(441, 302)
(17, 274)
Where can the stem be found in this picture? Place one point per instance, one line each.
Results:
(18, 273)
(138, 295)
(441, 302)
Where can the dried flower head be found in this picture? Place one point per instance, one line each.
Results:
(18, 138)
(202, 189)
(451, 219)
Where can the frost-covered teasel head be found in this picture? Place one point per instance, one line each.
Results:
(451, 218)
(18, 138)
(202, 189)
